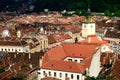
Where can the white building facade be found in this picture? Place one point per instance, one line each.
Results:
(88, 28)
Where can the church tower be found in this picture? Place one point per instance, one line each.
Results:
(88, 26)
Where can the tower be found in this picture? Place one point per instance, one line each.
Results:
(88, 26)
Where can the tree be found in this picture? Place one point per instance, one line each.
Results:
(108, 13)
(90, 78)
(117, 13)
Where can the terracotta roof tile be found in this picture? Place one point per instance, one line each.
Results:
(57, 55)
(12, 43)
(66, 66)
(94, 39)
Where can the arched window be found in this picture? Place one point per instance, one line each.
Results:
(77, 77)
(71, 76)
(49, 73)
(66, 75)
(60, 75)
(54, 74)
(44, 73)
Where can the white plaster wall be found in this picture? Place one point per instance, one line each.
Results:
(88, 30)
(68, 40)
(40, 76)
(12, 47)
(43, 43)
(105, 49)
(26, 48)
(95, 64)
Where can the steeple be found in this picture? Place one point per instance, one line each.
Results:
(88, 26)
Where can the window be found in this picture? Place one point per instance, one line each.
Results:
(44, 73)
(19, 49)
(104, 48)
(60, 75)
(54, 74)
(77, 77)
(39, 73)
(66, 75)
(12, 49)
(71, 76)
(75, 60)
(2, 49)
(5, 49)
(91, 26)
(81, 60)
(84, 26)
(69, 59)
(49, 73)
(26, 50)
(8, 49)
(15, 50)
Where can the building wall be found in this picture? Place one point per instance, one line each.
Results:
(88, 29)
(68, 40)
(43, 43)
(95, 64)
(35, 49)
(26, 48)
(15, 48)
(114, 43)
(105, 48)
(59, 74)
(74, 35)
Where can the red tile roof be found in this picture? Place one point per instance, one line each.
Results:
(13, 43)
(55, 52)
(94, 39)
(56, 56)
(58, 38)
(79, 50)
(60, 65)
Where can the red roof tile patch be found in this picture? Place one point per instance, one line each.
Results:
(94, 39)
(56, 53)
(79, 50)
(64, 66)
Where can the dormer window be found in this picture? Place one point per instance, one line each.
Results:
(81, 60)
(75, 60)
(69, 59)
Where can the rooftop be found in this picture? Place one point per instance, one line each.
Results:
(52, 61)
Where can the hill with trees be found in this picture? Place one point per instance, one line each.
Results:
(59, 5)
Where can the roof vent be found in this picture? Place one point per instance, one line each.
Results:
(52, 65)
(80, 54)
